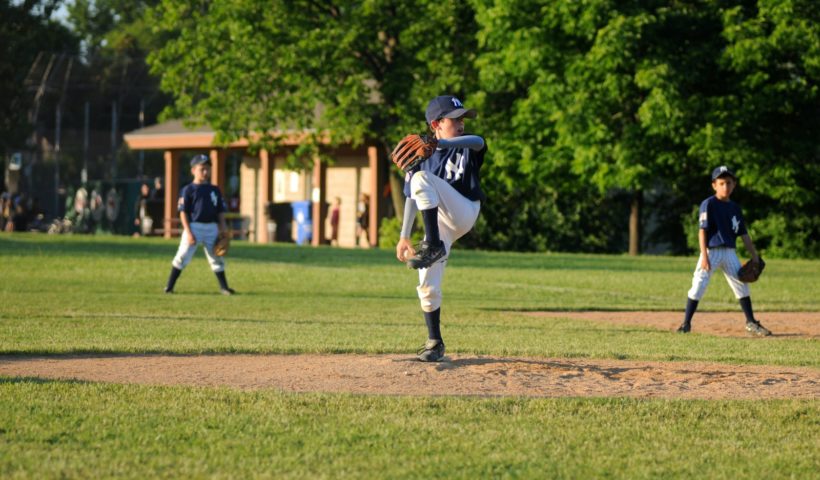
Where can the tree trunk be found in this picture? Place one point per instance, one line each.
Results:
(396, 193)
(635, 223)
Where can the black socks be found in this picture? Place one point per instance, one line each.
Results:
(691, 306)
(430, 217)
(433, 320)
(223, 282)
(746, 305)
(172, 279)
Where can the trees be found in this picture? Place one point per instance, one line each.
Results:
(353, 70)
(650, 96)
(26, 29)
(592, 109)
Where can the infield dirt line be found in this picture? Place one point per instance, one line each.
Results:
(724, 324)
(461, 375)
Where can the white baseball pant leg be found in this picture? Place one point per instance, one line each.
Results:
(725, 259)
(206, 234)
(456, 216)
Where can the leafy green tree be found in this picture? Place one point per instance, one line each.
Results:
(649, 96)
(767, 123)
(116, 36)
(26, 30)
(348, 70)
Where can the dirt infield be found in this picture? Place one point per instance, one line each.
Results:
(401, 374)
(724, 324)
(458, 375)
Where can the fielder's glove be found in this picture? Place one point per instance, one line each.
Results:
(750, 271)
(412, 150)
(223, 243)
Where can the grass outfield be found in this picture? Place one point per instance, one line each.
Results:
(66, 294)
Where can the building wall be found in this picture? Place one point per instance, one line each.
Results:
(347, 178)
(249, 206)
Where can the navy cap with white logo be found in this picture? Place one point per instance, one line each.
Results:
(447, 106)
(200, 159)
(722, 171)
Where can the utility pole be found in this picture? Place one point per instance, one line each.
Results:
(141, 165)
(113, 140)
(58, 130)
(86, 120)
(34, 113)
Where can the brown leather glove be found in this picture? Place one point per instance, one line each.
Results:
(412, 150)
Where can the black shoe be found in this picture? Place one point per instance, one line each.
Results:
(169, 290)
(432, 351)
(227, 291)
(755, 328)
(426, 255)
(684, 327)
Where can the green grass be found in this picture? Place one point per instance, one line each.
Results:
(75, 430)
(72, 294)
(99, 295)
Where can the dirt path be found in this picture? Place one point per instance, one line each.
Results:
(458, 375)
(465, 374)
(724, 324)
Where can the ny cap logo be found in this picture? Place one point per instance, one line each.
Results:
(723, 168)
(457, 103)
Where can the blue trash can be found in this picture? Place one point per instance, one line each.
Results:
(304, 224)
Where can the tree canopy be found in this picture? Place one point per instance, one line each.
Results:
(588, 107)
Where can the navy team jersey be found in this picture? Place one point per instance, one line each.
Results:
(457, 166)
(723, 222)
(201, 202)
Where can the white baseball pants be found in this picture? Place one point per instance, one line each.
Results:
(205, 234)
(726, 259)
(456, 216)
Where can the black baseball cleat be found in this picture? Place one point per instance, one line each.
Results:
(684, 327)
(426, 255)
(432, 351)
(756, 329)
(169, 291)
(227, 291)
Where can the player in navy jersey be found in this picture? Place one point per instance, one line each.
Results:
(446, 188)
(721, 222)
(202, 214)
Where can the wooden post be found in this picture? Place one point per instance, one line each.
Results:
(375, 194)
(635, 223)
(218, 168)
(265, 196)
(319, 199)
(171, 191)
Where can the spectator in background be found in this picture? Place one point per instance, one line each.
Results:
(334, 221)
(363, 219)
(159, 192)
(5, 210)
(142, 221)
(19, 215)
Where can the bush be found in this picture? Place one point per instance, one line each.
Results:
(390, 229)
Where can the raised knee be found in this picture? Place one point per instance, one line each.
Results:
(430, 297)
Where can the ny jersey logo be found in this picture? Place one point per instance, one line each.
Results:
(214, 200)
(455, 169)
(735, 223)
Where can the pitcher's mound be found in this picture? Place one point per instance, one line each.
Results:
(401, 374)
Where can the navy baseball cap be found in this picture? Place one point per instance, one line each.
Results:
(200, 159)
(721, 171)
(447, 106)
